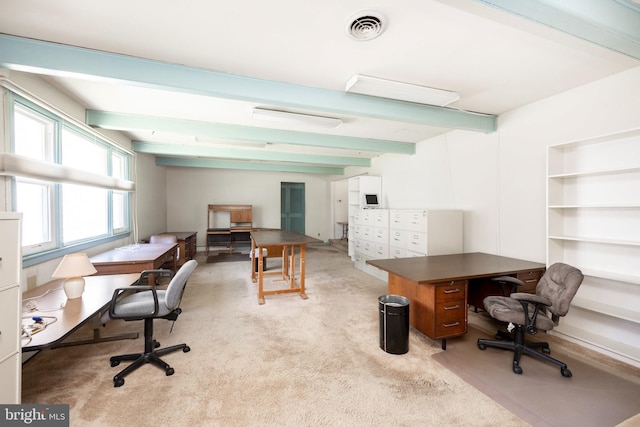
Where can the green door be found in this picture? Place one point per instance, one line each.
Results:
(292, 206)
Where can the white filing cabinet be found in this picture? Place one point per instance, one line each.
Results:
(425, 232)
(10, 311)
(371, 239)
(401, 233)
(358, 187)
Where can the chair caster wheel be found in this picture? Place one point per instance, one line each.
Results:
(565, 372)
(118, 382)
(115, 363)
(481, 346)
(170, 371)
(187, 349)
(156, 344)
(517, 369)
(546, 350)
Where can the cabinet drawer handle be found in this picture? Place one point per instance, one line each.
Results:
(450, 325)
(530, 280)
(453, 307)
(451, 291)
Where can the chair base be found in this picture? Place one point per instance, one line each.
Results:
(150, 355)
(519, 346)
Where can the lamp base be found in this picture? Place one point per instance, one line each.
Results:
(73, 287)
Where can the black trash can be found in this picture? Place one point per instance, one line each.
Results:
(394, 323)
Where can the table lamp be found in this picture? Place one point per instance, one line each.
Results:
(72, 268)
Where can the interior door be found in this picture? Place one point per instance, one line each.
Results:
(292, 206)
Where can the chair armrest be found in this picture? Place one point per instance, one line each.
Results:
(539, 303)
(532, 298)
(160, 272)
(117, 292)
(512, 281)
(508, 279)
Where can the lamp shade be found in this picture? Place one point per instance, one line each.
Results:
(72, 268)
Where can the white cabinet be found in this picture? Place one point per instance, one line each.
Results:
(370, 239)
(358, 187)
(425, 232)
(593, 223)
(10, 308)
(395, 233)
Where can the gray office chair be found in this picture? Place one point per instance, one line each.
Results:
(149, 303)
(528, 312)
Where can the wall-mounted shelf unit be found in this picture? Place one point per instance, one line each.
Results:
(593, 223)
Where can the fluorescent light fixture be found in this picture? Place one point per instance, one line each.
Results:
(294, 118)
(374, 86)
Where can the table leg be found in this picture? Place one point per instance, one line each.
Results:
(285, 263)
(303, 294)
(260, 277)
(292, 273)
(253, 255)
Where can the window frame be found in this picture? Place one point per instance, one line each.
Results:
(114, 185)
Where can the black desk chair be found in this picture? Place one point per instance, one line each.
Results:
(149, 303)
(528, 312)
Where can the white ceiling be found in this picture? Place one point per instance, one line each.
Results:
(495, 59)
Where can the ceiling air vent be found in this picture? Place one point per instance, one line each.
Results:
(365, 25)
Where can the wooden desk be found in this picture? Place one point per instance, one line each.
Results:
(135, 258)
(437, 286)
(186, 245)
(97, 295)
(288, 241)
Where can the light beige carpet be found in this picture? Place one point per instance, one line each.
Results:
(290, 362)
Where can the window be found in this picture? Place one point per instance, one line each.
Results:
(81, 207)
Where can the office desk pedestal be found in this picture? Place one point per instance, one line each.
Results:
(438, 310)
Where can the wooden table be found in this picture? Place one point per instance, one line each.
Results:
(287, 242)
(97, 295)
(135, 258)
(437, 286)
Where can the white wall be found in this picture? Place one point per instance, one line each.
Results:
(190, 190)
(340, 200)
(150, 198)
(498, 179)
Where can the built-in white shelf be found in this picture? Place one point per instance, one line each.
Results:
(596, 240)
(608, 309)
(593, 223)
(595, 173)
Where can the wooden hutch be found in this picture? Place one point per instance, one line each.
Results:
(238, 224)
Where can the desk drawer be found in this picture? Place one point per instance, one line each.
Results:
(450, 291)
(451, 318)
(530, 279)
(9, 325)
